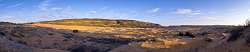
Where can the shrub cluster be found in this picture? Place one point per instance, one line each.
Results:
(187, 34)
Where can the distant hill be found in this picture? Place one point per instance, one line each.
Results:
(6, 23)
(103, 23)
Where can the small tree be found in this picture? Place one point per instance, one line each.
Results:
(247, 23)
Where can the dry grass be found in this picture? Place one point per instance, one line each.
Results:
(95, 29)
(163, 44)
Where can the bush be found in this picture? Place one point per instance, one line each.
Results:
(187, 34)
(2, 34)
(235, 34)
(22, 42)
(247, 39)
(204, 33)
(75, 31)
(208, 39)
(180, 34)
(50, 34)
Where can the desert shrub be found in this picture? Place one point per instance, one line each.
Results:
(2, 34)
(208, 39)
(10, 39)
(50, 34)
(83, 48)
(180, 34)
(235, 34)
(22, 42)
(247, 39)
(204, 33)
(75, 31)
(187, 34)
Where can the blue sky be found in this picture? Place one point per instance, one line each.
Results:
(165, 12)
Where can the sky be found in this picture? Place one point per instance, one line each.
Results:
(164, 12)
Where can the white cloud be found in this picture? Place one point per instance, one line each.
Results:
(57, 12)
(154, 10)
(56, 8)
(92, 12)
(195, 13)
(208, 17)
(47, 10)
(104, 8)
(183, 11)
(44, 5)
(187, 11)
(248, 10)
